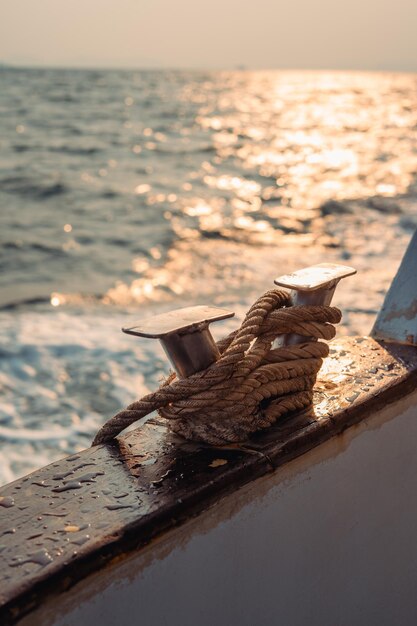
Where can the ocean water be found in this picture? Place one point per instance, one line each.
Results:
(127, 193)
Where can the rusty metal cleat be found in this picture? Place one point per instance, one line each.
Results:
(185, 336)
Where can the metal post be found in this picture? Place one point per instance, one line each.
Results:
(313, 286)
(185, 336)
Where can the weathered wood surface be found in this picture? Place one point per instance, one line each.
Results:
(69, 519)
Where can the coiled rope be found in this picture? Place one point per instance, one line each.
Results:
(251, 385)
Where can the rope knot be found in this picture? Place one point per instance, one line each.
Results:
(251, 385)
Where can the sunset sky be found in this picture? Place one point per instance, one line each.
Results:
(329, 34)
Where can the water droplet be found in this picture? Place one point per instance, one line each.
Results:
(389, 366)
(62, 475)
(40, 483)
(353, 397)
(34, 536)
(116, 507)
(6, 501)
(80, 540)
(74, 484)
(56, 513)
(72, 471)
(89, 478)
(148, 462)
(42, 557)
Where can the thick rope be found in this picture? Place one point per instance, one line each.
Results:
(251, 385)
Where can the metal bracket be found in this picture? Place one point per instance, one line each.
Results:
(314, 285)
(185, 336)
(397, 319)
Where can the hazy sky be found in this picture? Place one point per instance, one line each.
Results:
(348, 34)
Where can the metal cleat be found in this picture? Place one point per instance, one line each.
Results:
(314, 286)
(185, 336)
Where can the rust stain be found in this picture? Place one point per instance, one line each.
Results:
(409, 312)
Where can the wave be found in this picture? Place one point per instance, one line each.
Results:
(27, 187)
(18, 304)
(54, 300)
(22, 147)
(65, 98)
(75, 151)
(205, 149)
(381, 204)
(33, 245)
(109, 194)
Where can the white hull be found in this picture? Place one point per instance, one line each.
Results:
(328, 539)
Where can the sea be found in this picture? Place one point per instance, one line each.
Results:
(124, 194)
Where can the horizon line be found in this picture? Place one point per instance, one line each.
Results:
(235, 68)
